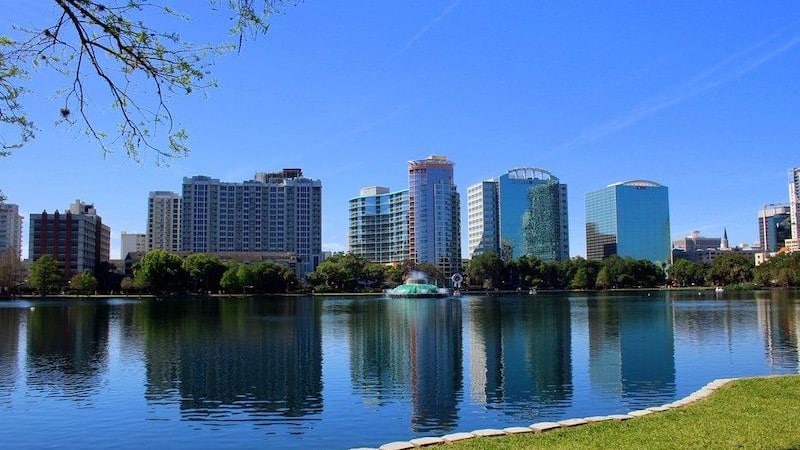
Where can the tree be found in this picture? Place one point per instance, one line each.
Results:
(686, 273)
(120, 48)
(83, 283)
(732, 267)
(204, 272)
(45, 276)
(162, 272)
(485, 270)
(10, 271)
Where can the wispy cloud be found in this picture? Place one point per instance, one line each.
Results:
(424, 30)
(729, 69)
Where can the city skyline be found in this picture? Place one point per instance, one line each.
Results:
(594, 92)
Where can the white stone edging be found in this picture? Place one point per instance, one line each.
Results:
(542, 427)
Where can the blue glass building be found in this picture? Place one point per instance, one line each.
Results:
(523, 211)
(628, 219)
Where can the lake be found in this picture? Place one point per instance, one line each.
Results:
(341, 372)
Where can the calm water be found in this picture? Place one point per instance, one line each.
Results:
(340, 372)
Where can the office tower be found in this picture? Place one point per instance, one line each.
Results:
(10, 229)
(794, 205)
(132, 242)
(483, 221)
(628, 219)
(163, 221)
(522, 212)
(78, 239)
(434, 214)
(774, 227)
(379, 225)
(275, 212)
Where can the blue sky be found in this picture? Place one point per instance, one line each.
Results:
(702, 97)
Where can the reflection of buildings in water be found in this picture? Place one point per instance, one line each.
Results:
(436, 355)
(779, 322)
(409, 348)
(253, 359)
(379, 352)
(521, 352)
(632, 347)
(10, 328)
(68, 347)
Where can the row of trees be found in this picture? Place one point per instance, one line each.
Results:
(163, 273)
(489, 271)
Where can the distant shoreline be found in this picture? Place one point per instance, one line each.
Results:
(374, 294)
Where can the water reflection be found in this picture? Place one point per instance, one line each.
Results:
(779, 320)
(234, 360)
(232, 371)
(9, 343)
(521, 350)
(67, 349)
(407, 349)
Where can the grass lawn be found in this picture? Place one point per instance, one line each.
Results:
(747, 414)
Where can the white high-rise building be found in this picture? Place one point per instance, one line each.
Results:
(132, 242)
(483, 227)
(793, 244)
(10, 228)
(163, 221)
(275, 212)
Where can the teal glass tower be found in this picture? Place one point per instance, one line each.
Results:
(522, 212)
(628, 219)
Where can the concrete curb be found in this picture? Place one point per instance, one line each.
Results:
(543, 427)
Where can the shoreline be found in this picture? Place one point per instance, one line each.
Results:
(381, 294)
(539, 428)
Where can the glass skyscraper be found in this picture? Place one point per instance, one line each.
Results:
(524, 211)
(434, 214)
(628, 219)
(379, 225)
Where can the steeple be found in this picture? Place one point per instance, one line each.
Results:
(724, 244)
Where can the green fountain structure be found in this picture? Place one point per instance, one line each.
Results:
(417, 286)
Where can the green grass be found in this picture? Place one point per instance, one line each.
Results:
(759, 413)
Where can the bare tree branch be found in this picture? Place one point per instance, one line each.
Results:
(137, 65)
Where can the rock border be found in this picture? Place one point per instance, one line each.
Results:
(542, 427)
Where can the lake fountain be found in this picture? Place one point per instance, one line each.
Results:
(417, 285)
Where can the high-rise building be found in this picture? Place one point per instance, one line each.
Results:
(774, 227)
(163, 221)
(379, 225)
(628, 219)
(794, 205)
(523, 212)
(132, 242)
(275, 212)
(434, 214)
(78, 239)
(10, 228)
(483, 222)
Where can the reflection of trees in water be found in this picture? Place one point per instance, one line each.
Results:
(407, 349)
(632, 347)
(68, 348)
(521, 350)
(9, 342)
(779, 321)
(220, 359)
